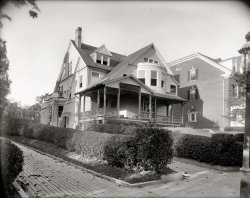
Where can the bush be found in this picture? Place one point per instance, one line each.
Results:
(154, 148)
(11, 165)
(113, 128)
(239, 129)
(90, 144)
(239, 137)
(151, 149)
(220, 149)
(194, 147)
(12, 125)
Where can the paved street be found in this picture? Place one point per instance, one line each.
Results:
(44, 176)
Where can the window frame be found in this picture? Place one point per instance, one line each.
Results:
(155, 79)
(80, 81)
(141, 79)
(190, 114)
(172, 88)
(193, 74)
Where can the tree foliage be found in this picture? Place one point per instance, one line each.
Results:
(19, 3)
(4, 77)
(40, 99)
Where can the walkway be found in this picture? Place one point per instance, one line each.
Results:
(43, 176)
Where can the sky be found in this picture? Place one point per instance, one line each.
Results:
(36, 47)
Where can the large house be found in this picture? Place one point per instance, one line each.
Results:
(207, 84)
(98, 85)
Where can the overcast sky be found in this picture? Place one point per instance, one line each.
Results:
(36, 47)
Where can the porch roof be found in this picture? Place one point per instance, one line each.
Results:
(108, 81)
(169, 96)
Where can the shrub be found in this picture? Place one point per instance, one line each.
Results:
(11, 165)
(12, 125)
(89, 144)
(194, 147)
(239, 129)
(239, 137)
(154, 147)
(119, 151)
(151, 149)
(113, 128)
(220, 149)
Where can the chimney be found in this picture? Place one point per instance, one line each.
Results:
(78, 38)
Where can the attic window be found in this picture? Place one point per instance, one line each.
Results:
(102, 59)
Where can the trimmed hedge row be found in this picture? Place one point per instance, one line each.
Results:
(239, 129)
(220, 149)
(11, 158)
(150, 149)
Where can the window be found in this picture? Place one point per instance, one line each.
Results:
(193, 94)
(99, 58)
(60, 110)
(149, 60)
(96, 74)
(193, 74)
(163, 79)
(80, 81)
(141, 75)
(105, 60)
(153, 78)
(235, 91)
(61, 89)
(145, 105)
(173, 89)
(192, 115)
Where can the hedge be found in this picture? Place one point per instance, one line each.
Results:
(220, 149)
(150, 149)
(239, 129)
(113, 128)
(11, 165)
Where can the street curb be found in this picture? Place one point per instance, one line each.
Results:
(21, 192)
(205, 165)
(172, 177)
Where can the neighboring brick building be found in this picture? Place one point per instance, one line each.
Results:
(95, 85)
(207, 85)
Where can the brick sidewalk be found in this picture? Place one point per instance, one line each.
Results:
(43, 176)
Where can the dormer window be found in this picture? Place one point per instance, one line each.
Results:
(99, 58)
(105, 60)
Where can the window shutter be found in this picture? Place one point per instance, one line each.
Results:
(196, 94)
(188, 76)
(196, 73)
(188, 94)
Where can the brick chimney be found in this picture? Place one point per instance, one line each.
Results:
(78, 38)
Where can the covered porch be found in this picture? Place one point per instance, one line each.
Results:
(127, 101)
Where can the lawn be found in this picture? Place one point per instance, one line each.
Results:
(130, 176)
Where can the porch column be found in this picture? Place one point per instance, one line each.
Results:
(155, 109)
(79, 107)
(139, 105)
(150, 107)
(172, 115)
(104, 101)
(98, 101)
(118, 101)
(84, 99)
(182, 121)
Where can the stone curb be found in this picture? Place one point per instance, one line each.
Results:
(166, 178)
(203, 164)
(21, 192)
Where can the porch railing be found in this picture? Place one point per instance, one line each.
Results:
(113, 112)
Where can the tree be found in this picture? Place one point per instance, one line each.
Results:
(41, 98)
(4, 77)
(19, 3)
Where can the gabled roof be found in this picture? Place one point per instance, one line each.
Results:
(131, 58)
(103, 50)
(86, 50)
(207, 59)
(107, 81)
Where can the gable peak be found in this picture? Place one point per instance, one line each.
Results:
(103, 50)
